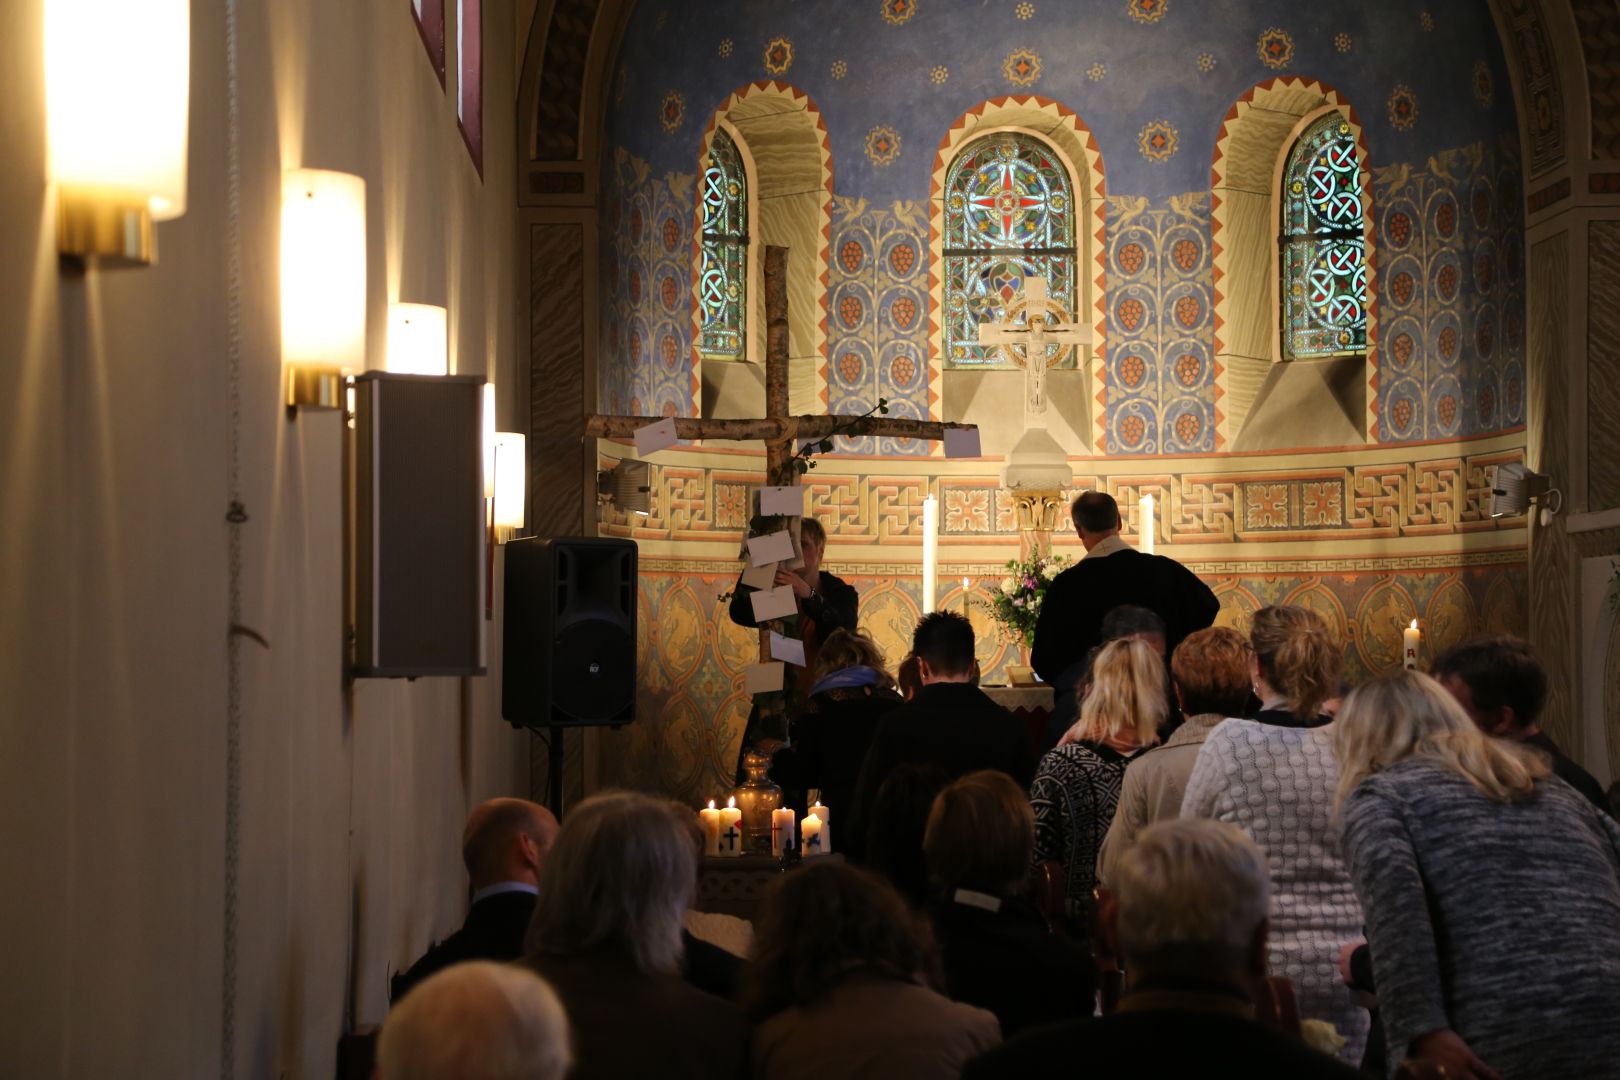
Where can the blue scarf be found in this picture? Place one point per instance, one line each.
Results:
(845, 678)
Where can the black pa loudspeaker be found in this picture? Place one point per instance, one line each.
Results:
(569, 657)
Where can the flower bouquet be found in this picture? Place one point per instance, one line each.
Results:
(1016, 604)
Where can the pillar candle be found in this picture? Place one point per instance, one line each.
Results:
(930, 582)
(711, 829)
(967, 584)
(781, 831)
(1410, 637)
(731, 845)
(825, 815)
(810, 834)
(1147, 524)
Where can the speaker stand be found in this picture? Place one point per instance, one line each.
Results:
(554, 771)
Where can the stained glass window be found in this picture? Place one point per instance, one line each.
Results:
(1324, 265)
(1009, 215)
(723, 274)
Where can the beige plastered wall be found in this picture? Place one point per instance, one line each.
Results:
(116, 437)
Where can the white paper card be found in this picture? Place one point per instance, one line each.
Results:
(777, 603)
(771, 548)
(781, 500)
(656, 437)
(786, 648)
(760, 577)
(961, 442)
(765, 678)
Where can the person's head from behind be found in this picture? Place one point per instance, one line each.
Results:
(1403, 714)
(1295, 655)
(812, 545)
(620, 876)
(1125, 702)
(981, 835)
(824, 923)
(899, 817)
(1138, 623)
(908, 677)
(506, 840)
(476, 1021)
(850, 649)
(1189, 899)
(1096, 517)
(1498, 681)
(943, 646)
(1210, 670)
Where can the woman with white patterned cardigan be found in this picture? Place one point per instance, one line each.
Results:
(1274, 777)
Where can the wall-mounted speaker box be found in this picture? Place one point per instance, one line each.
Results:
(418, 525)
(569, 645)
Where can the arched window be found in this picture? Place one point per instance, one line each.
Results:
(723, 275)
(1324, 259)
(1009, 215)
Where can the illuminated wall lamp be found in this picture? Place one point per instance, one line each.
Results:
(323, 284)
(118, 94)
(418, 340)
(511, 484)
(489, 441)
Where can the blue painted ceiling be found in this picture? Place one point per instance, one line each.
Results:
(1119, 64)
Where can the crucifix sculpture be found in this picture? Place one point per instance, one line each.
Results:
(780, 431)
(1025, 343)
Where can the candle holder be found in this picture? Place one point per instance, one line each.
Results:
(757, 797)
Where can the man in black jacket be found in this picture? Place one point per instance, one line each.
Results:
(503, 845)
(950, 722)
(1502, 686)
(1111, 574)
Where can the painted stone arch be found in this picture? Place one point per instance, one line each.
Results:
(783, 141)
(1068, 135)
(1251, 151)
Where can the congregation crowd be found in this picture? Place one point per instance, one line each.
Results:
(1229, 863)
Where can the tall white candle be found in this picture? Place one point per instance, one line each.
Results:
(1410, 638)
(1147, 524)
(711, 829)
(825, 816)
(731, 844)
(930, 572)
(781, 831)
(967, 584)
(810, 835)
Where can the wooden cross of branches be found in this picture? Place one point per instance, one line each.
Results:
(779, 430)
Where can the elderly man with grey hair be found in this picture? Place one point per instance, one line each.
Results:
(607, 935)
(476, 1021)
(1188, 915)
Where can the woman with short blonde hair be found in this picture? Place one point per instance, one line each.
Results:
(1474, 866)
(852, 692)
(1077, 785)
(1274, 777)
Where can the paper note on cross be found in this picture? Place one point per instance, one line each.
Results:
(1025, 343)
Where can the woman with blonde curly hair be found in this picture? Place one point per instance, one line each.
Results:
(1077, 785)
(1274, 777)
(1492, 890)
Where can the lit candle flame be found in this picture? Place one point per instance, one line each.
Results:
(1414, 624)
(731, 803)
(711, 804)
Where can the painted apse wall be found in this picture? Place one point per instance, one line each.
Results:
(1372, 535)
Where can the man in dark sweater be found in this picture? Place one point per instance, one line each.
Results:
(1189, 918)
(950, 721)
(503, 845)
(1111, 574)
(1502, 686)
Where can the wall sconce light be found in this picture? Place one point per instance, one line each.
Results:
(489, 440)
(1514, 487)
(511, 484)
(323, 284)
(418, 340)
(628, 485)
(118, 95)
